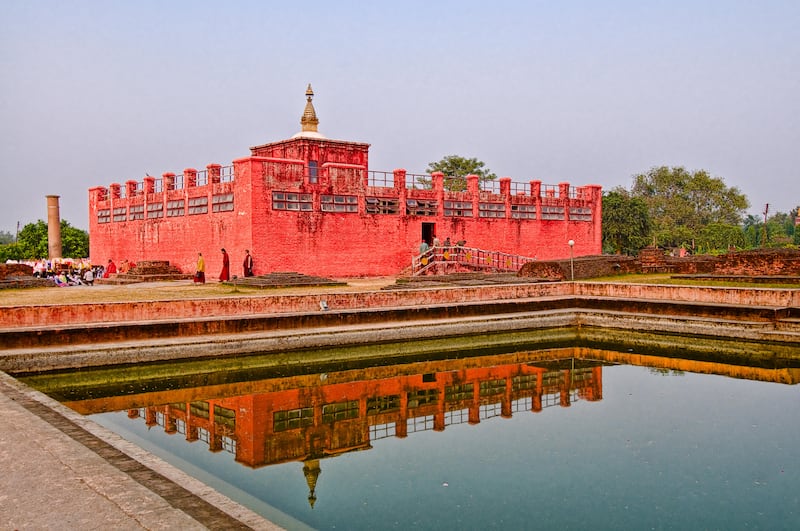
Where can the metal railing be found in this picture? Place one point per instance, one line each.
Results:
(416, 181)
(226, 174)
(443, 260)
(381, 179)
(492, 186)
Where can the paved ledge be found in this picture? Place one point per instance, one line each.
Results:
(318, 343)
(63, 471)
(114, 312)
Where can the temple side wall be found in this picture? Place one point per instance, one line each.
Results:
(310, 231)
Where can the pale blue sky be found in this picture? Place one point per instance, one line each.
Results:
(95, 92)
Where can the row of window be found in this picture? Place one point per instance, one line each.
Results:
(298, 202)
(421, 207)
(304, 417)
(176, 208)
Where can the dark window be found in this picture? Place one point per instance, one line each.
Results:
(339, 203)
(175, 208)
(291, 201)
(222, 203)
(198, 205)
(136, 212)
(312, 171)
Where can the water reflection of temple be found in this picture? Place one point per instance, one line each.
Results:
(270, 419)
(330, 418)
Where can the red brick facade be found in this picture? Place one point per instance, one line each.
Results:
(311, 205)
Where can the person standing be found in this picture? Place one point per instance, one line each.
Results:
(248, 263)
(225, 274)
(200, 275)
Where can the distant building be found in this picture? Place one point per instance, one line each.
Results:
(311, 204)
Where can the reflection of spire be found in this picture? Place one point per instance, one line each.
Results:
(311, 471)
(309, 120)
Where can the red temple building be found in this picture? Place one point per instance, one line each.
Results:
(311, 205)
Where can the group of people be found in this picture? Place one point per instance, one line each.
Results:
(440, 254)
(74, 277)
(66, 271)
(111, 268)
(424, 247)
(225, 274)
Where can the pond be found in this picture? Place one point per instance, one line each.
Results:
(566, 437)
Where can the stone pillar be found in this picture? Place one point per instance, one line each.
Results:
(505, 191)
(149, 185)
(115, 190)
(400, 179)
(473, 184)
(536, 188)
(505, 186)
(167, 181)
(505, 407)
(53, 228)
(564, 397)
(214, 173)
(437, 183)
(190, 178)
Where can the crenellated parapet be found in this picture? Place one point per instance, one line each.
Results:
(373, 192)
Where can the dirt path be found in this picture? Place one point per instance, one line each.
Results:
(178, 289)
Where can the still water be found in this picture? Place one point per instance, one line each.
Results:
(566, 438)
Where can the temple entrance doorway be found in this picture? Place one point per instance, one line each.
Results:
(428, 232)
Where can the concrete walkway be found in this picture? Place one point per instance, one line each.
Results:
(59, 470)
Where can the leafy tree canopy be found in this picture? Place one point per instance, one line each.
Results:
(32, 241)
(6, 237)
(626, 222)
(681, 203)
(456, 168)
(719, 237)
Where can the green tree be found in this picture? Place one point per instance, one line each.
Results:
(6, 237)
(626, 222)
(32, 241)
(10, 251)
(719, 237)
(753, 230)
(781, 230)
(74, 241)
(681, 203)
(456, 169)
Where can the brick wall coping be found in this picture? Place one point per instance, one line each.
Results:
(55, 315)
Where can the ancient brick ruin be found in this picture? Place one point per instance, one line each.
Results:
(745, 265)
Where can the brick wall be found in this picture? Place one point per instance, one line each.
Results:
(759, 262)
(314, 237)
(15, 270)
(54, 315)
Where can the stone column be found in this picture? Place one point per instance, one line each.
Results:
(214, 173)
(53, 228)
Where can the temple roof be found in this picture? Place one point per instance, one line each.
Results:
(309, 120)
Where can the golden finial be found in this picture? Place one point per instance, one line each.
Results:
(311, 471)
(309, 120)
